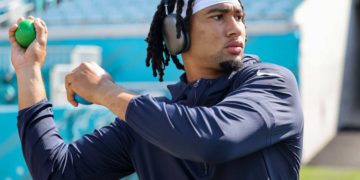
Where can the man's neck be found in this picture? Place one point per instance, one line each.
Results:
(194, 73)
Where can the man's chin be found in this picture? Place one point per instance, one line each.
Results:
(231, 65)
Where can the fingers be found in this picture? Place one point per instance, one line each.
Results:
(44, 24)
(12, 31)
(20, 19)
(70, 96)
(69, 90)
(41, 31)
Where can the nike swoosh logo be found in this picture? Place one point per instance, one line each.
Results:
(260, 73)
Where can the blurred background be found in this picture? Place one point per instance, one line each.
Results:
(317, 40)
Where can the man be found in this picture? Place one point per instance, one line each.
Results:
(230, 116)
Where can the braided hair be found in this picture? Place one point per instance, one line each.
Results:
(158, 55)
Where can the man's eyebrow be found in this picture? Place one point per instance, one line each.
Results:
(217, 10)
(223, 10)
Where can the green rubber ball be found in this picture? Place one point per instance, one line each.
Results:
(25, 33)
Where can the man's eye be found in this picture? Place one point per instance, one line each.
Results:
(239, 18)
(217, 17)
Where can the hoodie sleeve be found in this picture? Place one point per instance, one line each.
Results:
(102, 154)
(263, 110)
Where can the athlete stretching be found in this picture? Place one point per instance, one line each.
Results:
(230, 116)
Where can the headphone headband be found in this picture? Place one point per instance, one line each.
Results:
(166, 4)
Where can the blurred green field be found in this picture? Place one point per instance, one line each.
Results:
(325, 173)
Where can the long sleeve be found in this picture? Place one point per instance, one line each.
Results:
(101, 155)
(261, 111)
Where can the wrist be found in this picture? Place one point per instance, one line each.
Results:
(27, 70)
(106, 92)
(28, 74)
(117, 100)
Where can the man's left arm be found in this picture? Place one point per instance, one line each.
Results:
(262, 112)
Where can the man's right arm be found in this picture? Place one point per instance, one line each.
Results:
(27, 64)
(101, 155)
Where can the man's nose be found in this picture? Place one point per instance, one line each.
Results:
(233, 27)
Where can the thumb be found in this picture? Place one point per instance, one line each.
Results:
(12, 40)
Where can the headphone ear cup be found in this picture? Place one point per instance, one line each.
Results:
(187, 40)
(173, 44)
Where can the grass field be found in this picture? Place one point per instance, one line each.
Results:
(322, 173)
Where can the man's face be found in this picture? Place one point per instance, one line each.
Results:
(217, 35)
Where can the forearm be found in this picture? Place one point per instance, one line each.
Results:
(116, 99)
(30, 86)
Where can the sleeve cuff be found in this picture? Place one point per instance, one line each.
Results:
(44, 101)
(130, 107)
(23, 112)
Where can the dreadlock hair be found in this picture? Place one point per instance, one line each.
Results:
(157, 53)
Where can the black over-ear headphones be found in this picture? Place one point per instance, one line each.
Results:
(173, 44)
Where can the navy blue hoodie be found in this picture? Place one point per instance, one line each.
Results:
(247, 124)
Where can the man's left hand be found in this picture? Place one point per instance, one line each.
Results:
(89, 81)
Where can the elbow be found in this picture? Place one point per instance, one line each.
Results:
(53, 163)
(213, 151)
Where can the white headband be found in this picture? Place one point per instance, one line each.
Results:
(202, 4)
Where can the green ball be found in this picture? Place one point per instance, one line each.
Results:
(25, 33)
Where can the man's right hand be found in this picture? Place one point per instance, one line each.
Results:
(34, 56)
(27, 64)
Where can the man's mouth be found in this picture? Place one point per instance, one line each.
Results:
(235, 47)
